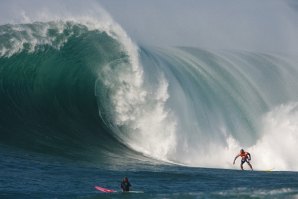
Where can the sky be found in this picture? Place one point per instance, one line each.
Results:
(267, 25)
(254, 25)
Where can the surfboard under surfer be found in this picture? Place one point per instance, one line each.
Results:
(245, 157)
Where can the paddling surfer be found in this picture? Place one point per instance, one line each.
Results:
(245, 157)
(125, 185)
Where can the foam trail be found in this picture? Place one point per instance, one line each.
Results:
(277, 146)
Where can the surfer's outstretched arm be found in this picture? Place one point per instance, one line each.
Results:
(236, 158)
(249, 156)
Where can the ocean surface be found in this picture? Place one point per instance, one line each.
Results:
(31, 175)
(82, 105)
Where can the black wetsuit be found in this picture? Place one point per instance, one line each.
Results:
(125, 185)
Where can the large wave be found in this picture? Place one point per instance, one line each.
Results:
(227, 100)
(48, 72)
(81, 86)
(68, 87)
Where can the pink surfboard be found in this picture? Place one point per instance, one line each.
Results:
(104, 189)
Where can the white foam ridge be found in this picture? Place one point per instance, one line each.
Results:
(26, 37)
(88, 13)
(146, 125)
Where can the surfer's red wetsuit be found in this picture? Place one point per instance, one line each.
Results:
(245, 157)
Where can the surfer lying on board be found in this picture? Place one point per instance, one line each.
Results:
(125, 184)
(245, 157)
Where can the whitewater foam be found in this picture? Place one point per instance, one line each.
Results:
(274, 150)
(32, 37)
(277, 146)
(138, 112)
(219, 100)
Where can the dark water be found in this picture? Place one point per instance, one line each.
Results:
(27, 175)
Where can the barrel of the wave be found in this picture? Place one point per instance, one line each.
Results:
(48, 73)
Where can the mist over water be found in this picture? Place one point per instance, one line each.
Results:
(266, 26)
(224, 101)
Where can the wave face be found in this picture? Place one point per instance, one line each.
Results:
(68, 89)
(227, 100)
(48, 73)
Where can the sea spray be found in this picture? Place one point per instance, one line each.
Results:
(220, 99)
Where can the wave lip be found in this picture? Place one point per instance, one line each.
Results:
(30, 37)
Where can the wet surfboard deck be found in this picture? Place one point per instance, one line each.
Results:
(105, 190)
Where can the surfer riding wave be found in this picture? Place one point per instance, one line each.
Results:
(245, 157)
